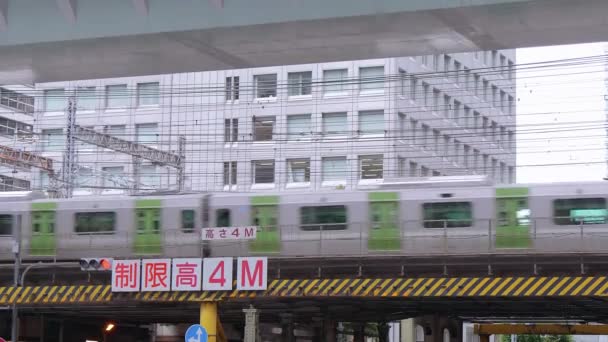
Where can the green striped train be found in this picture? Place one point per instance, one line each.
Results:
(409, 219)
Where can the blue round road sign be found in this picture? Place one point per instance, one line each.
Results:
(196, 333)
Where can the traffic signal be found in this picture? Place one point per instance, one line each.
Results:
(96, 264)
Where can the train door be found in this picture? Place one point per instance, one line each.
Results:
(265, 215)
(384, 232)
(43, 240)
(512, 218)
(148, 238)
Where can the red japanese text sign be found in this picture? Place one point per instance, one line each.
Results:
(252, 273)
(217, 274)
(186, 274)
(229, 233)
(155, 275)
(126, 275)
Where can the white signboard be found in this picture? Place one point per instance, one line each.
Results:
(217, 274)
(155, 275)
(252, 273)
(186, 274)
(229, 233)
(126, 275)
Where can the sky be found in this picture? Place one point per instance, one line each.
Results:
(561, 115)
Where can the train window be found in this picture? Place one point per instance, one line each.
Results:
(513, 212)
(332, 217)
(43, 222)
(447, 214)
(188, 221)
(575, 211)
(222, 218)
(95, 222)
(6, 225)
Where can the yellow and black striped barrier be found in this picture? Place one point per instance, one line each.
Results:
(413, 288)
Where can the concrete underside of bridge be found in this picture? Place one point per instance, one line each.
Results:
(107, 39)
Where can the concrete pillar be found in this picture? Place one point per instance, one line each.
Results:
(439, 329)
(408, 330)
(251, 325)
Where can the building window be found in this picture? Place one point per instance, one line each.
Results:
(335, 124)
(84, 178)
(413, 87)
(511, 70)
(371, 167)
(436, 94)
(413, 131)
(467, 117)
(446, 146)
(402, 82)
(334, 169)
(117, 96)
(436, 173)
(502, 142)
(111, 176)
(485, 158)
(118, 131)
(494, 96)
(436, 62)
(424, 171)
(457, 67)
(17, 101)
(446, 105)
(425, 136)
(299, 83)
(149, 176)
(475, 159)
(263, 171)
(476, 85)
(148, 94)
(231, 130)
(466, 152)
(334, 81)
(476, 124)
(436, 137)
(298, 170)
(401, 166)
(232, 88)
(54, 100)
(147, 133)
(503, 64)
(371, 79)
(503, 172)
(457, 107)
(45, 180)
(265, 85)
(86, 98)
(425, 90)
(494, 131)
(230, 172)
(511, 108)
(511, 175)
(467, 78)
(11, 128)
(263, 128)
(486, 89)
(456, 151)
(298, 126)
(413, 169)
(371, 122)
(52, 140)
(485, 127)
(447, 60)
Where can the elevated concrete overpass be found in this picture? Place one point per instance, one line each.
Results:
(55, 40)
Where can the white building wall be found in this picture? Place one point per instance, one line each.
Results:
(194, 105)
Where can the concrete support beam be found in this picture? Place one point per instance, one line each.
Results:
(251, 325)
(3, 15)
(68, 9)
(142, 7)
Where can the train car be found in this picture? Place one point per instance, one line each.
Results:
(412, 219)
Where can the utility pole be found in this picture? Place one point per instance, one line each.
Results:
(69, 157)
